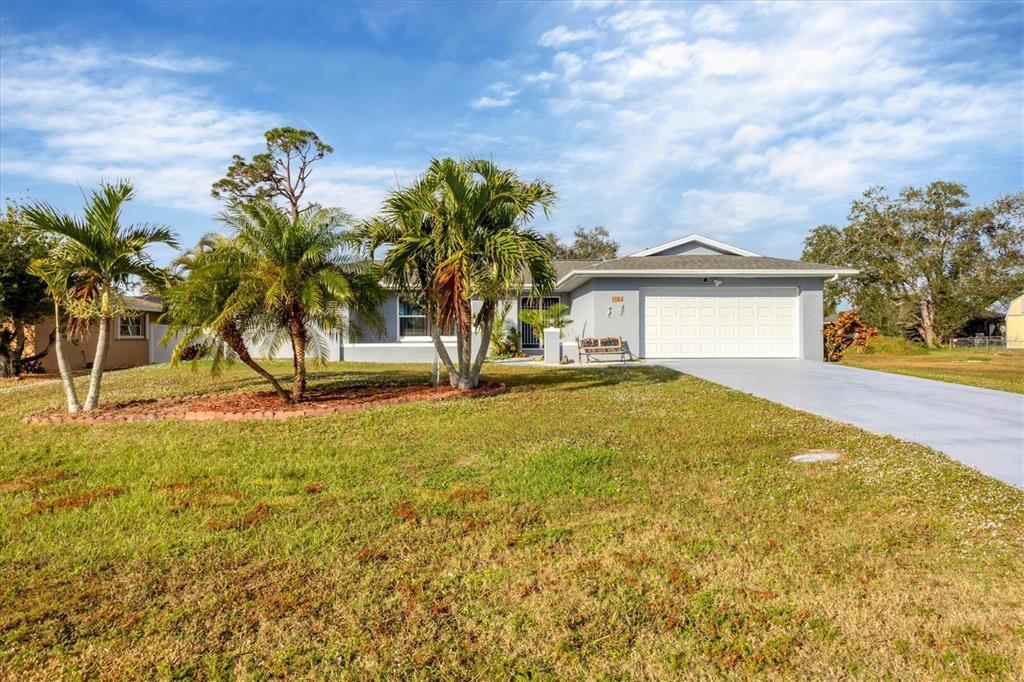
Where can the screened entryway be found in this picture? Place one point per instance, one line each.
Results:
(527, 338)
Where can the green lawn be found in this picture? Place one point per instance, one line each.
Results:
(1000, 369)
(616, 523)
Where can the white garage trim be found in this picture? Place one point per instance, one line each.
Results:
(720, 322)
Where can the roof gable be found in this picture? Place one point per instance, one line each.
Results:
(694, 244)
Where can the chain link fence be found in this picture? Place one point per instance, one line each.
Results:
(979, 342)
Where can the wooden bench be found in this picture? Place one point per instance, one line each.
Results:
(592, 347)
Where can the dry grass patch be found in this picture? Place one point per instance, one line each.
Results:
(33, 481)
(258, 514)
(77, 500)
(998, 369)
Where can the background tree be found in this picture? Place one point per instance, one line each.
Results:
(929, 261)
(461, 232)
(593, 244)
(23, 299)
(280, 172)
(99, 259)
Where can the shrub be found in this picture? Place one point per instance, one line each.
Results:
(847, 331)
(506, 345)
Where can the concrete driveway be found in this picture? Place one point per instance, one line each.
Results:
(979, 427)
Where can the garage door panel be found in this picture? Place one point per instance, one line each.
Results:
(760, 322)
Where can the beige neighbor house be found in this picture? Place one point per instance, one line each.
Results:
(1015, 323)
(134, 340)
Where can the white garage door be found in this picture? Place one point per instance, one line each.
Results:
(755, 322)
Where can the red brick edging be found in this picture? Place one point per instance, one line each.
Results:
(206, 416)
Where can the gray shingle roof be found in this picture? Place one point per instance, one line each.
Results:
(710, 263)
(148, 303)
(563, 268)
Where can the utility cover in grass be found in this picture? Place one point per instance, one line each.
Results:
(819, 456)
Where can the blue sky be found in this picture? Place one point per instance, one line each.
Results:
(750, 123)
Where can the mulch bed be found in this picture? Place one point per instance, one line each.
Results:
(262, 405)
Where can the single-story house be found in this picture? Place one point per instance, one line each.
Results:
(991, 322)
(1015, 323)
(134, 341)
(692, 297)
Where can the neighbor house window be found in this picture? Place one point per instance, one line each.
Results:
(131, 327)
(413, 322)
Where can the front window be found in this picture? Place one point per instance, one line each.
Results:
(412, 319)
(413, 322)
(131, 327)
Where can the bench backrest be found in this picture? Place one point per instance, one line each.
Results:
(600, 344)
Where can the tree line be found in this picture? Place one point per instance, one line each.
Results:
(929, 261)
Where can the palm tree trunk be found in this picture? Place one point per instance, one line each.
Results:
(465, 323)
(487, 313)
(62, 364)
(442, 352)
(297, 330)
(439, 347)
(19, 348)
(92, 400)
(236, 342)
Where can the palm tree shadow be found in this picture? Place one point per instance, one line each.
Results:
(339, 377)
(576, 379)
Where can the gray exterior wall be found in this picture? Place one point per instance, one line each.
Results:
(365, 345)
(595, 314)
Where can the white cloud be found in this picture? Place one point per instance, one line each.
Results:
(561, 36)
(541, 77)
(358, 189)
(713, 19)
(751, 135)
(568, 63)
(662, 61)
(607, 55)
(171, 62)
(630, 19)
(501, 95)
(788, 106)
(491, 102)
(96, 113)
(729, 212)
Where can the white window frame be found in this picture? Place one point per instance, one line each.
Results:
(413, 339)
(144, 326)
(398, 309)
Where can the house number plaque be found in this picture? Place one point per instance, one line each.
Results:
(618, 299)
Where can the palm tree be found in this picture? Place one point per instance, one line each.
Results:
(305, 273)
(460, 232)
(100, 258)
(206, 306)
